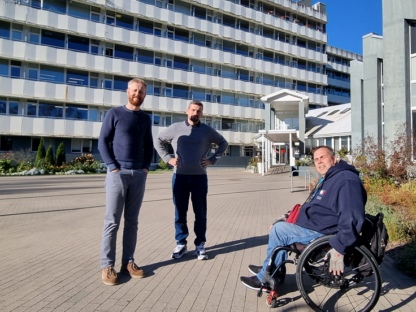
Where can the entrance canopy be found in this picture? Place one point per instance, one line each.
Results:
(286, 100)
(280, 136)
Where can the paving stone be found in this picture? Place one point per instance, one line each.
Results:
(54, 223)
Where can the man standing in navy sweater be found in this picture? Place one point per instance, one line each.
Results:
(126, 146)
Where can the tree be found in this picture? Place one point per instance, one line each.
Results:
(49, 156)
(41, 151)
(60, 154)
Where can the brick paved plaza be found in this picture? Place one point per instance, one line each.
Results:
(50, 234)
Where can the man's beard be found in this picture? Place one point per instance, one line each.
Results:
(194, 118)
(135, 101)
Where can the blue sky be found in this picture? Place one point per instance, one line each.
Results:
(350, 20)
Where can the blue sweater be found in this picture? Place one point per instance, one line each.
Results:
(126, 139)
(338, 207)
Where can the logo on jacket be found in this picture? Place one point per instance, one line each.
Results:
(322, 192)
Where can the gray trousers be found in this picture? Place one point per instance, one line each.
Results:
(124, 189)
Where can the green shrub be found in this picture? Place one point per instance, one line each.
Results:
(60, 155)
(162, 165)
(41, 152)
(5, 164)
(49, 156)
(396, 226)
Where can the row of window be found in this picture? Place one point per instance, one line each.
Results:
(40, 72)
(216, 17)
(118, 19)
(338, 60)
(337, 143)
(338, 91)
(91, 46)
(83, 112)
(77, 145)
(337, 75)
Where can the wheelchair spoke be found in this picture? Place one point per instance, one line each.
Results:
(355, 290)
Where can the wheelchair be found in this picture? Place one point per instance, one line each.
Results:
(357, 289)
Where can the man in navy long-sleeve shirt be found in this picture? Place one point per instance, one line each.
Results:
(126, 146)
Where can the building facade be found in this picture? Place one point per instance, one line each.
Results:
(65, 63)
(383, 85)
(338, 71)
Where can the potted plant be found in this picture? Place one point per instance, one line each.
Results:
(253, 164)
(296, 21)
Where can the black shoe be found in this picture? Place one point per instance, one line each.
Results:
(252, 282)
(254, 269)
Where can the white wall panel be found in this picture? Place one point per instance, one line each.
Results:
(338, 67)
(59, 127)
(38, 125)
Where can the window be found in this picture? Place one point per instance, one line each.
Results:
(109, 49)
(145, 56)
(157, 88)
(17, 32)
(182, 35)
(3, 106)
(81, 146)
(125, 21)
(181, 63)
(15, 69)
(110, 18)
(95, 14)
(76, 112)
(321, 114)
(6, 143)
(108, 82)
(31, 108)
(4, 29)
(146, 27)
(93, 113)
(198, 94)
(345, 110)
(77, 77)
(4, 67)
(328, 142)
(94, 80)
(53, 38)
(51, 73)
(34, 35)
(156, 120)
(333, 112)
(121, 83)
(95, 46)
(33, 71)
(123, 52)
(180, 91)
(35, 144)
(50, 110)
(228, 46)
(13, 108)
(79, 10)
(344, 142)
(412, 38)
(80, 44)
(58, 6)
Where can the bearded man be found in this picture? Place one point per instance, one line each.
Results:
(191, 141)
(126, 147)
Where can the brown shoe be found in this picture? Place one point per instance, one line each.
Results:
(133, 270)
(109, 276)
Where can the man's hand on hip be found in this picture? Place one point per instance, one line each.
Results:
(206, 162)
(336, 261)
(115, 170)
(174, 162)
(145, 170)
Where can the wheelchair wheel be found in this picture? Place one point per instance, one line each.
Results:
(357, 290)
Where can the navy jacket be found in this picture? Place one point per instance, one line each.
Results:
(338, 207)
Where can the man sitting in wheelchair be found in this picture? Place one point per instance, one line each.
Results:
(335, 206)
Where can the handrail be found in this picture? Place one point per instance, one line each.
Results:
(307, 172)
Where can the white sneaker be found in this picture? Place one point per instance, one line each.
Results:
(200, 252)
(179, 251)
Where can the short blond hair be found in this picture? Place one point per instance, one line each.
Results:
(137, 80)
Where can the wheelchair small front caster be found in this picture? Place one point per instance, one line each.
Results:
(271, 299)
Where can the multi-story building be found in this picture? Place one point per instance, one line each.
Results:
(64, 63)
(383, 85)
(338, 71)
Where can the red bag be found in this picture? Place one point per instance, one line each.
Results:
(293, 215)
